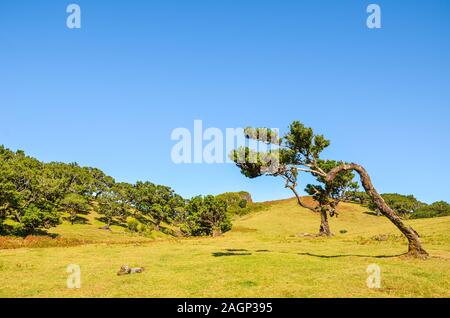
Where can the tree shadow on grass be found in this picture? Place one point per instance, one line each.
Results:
(113, 222)
(372, 213)
(220, 254)
(8, 230)
(78, 220)
(352, 255)
(166, 230)
(237, 252)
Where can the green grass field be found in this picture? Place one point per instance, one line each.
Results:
(265, 255)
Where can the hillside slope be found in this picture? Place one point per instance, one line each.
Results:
(265, 255)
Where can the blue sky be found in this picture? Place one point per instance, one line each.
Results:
(110, 94)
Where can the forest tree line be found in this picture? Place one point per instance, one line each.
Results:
(35, 196)
(407, 206)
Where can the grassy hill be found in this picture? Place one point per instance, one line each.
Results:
(267, 254)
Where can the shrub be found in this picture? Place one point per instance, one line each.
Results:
(437, 209)
(141, 228)
(135, 226)
(239, 203)
(206, 216)
(357, 197)
(74, 204)
(401, 204)
(33, 218)
(132, 224)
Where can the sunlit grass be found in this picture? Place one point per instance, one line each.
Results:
(265, 255)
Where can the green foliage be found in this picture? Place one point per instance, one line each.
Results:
(74, 204)
(112, 207)
(243, 204)
(159, 202)
(125, 192)
(304, 143)
(238, 203)
(206, 216)
(353, 195)
(35, 217)
(401, 204)
(35, 195)
(28, 195)
(132, 224)
(337, 189)
(299, 146)
(264, 134)
(100, 182)
(71, 178)
(255, 164)
(437, 209)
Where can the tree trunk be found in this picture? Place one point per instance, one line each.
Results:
(324, 226)
(216, 232)
(415, 248)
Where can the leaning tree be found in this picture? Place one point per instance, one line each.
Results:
(296, 152)
(299, 150)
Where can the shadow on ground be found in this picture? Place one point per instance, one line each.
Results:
(220, 254)
(77, 220)
(352, 255)
(237, 252)
(372, 213)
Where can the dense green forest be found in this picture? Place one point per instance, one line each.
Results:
(407, 206)
(35, 196)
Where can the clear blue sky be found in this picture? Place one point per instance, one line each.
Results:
(110, 94)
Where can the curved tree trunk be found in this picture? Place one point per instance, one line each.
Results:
(415, 247)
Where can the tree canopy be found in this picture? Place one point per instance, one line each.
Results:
(36, 196)
(206, 216)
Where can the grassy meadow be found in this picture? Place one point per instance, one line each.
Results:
(266, 254)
